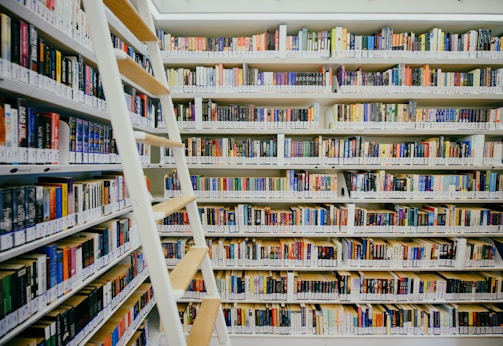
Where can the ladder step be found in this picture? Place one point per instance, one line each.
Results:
(128, 14)
(169, 206)
(137, 74)
(186, 269)
(202, 329)
(158, 141)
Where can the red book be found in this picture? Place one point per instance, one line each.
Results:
(52, 132)
(24, 43)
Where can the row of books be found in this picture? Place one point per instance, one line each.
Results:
(405, 76)
(382, 184)
(43, 66)
(375, 115)
(329, 150)
(139, 58)
(333, 43)
(340, 219)
(212, 114)
(27, 56)
(27, 135)
(123, 324)
(349, 252)
(301, 184)
(35, 281)
(141, 336)
(356, 319)
(344, 286)
(378, 115)
(56, 203)
(67, 16)
(248, 79)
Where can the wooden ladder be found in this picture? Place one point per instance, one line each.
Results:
(112, 64)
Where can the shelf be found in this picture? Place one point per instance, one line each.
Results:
(186, 59)
(335, 235)
(294, 339)
(300, 99)
(65, 41)
(315, 167)
(20, 327)
(14, 170)
(349, 268)
(140, 279)
(258, 200)
(16, 251)
(48, 97)
(345, 129)
(353, 301)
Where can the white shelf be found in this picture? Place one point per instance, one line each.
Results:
(19, 250)
(295, 99)
(191, 58)
(350, 268)
(50, 98)
(66, 41)
(275, 167)
(360, 340)
(33, 318)
(259, 200)
(14, 170)
(343, 130)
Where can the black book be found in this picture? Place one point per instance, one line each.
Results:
(33, 54)
(18, 284)
(18, 213)
(15, 47)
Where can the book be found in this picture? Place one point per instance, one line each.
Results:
(24, 44)
(66, 183)
(5, 37)
(51, 264)
(6, 217)
(18, 283)
(52, 134)
(22, 119)
(33, 48)
(19, 214)
(2, 132)
(15, 47)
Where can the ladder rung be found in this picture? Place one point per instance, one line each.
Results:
(134, 72)
(158, 141)
(202, 329)
(128, 14)
(188, 266)
(169, 206)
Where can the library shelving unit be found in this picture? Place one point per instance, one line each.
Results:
(332, 159)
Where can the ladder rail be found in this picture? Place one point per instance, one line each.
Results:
(183, 172)
(133, 172)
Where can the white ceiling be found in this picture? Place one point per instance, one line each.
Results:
(218, 17)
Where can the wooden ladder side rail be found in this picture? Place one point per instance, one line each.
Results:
(133, 172)
(183, 170)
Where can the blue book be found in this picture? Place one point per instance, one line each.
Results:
(59, 265)
(50, 251)
(59, 202)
